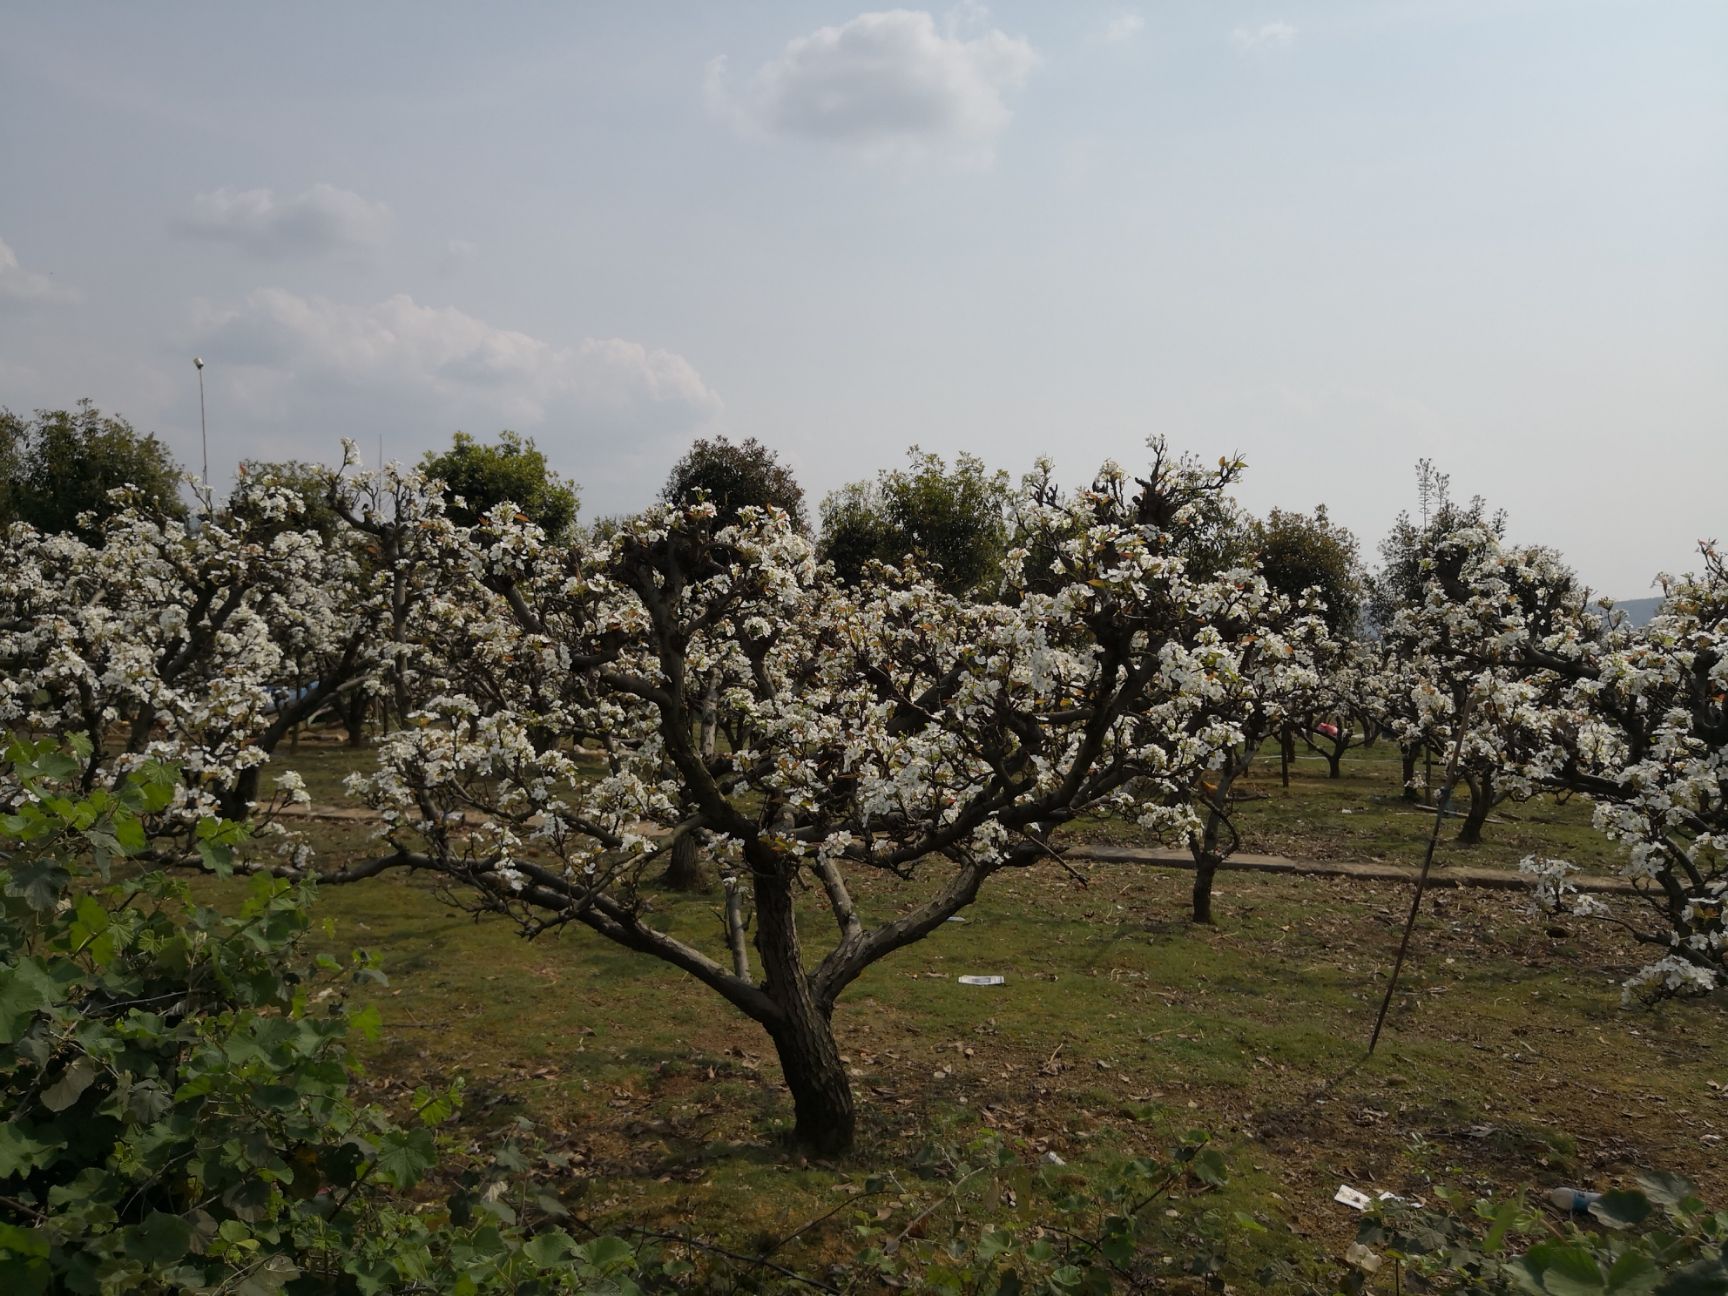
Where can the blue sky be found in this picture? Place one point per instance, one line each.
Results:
(1333, 237)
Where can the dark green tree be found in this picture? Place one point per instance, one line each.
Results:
(953, 519)
(1301, 551)
(513, 470)
(62, 463)
(735, 475)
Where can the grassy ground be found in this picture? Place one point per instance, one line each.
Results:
(1508, 1061)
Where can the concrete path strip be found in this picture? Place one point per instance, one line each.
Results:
(1458, 875)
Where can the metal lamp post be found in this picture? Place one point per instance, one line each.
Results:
(203, 432)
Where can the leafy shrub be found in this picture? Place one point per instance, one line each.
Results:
(1657, 1239)
(177, 1087)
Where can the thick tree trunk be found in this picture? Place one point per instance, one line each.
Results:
(1410, 754)
(1205, 866)
(708, 721)
(1481, 802)
(1207, 856)
(824, 1115)
(354, 708)
(1286, 754)
(803, 1031)
(236, 803)
(684, 866)
(1334, 762)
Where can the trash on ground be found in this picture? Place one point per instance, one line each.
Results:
(1052, 1158)
(982, 980)
(1574, 1201)
(1362, 1258)
(1354, 1198)
(955, 918)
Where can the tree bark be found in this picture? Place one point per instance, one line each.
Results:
(354, 708)
(825, 1115)
(1410, 754)
(1207, 856)
(684, 867)
(1205, 865)
(708, 718)
(1481, 802)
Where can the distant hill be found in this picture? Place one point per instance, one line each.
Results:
(1639, 611)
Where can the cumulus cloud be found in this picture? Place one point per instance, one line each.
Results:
(1124, 26)
(886, 84)
(320, 219)
(1268, 35)
(426, 369)
(19, 284)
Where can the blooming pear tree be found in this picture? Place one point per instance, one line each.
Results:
(1280, 647)
(1634, 718)
(886, 730)
(163, 640)
(1454, 687)
(203, 645)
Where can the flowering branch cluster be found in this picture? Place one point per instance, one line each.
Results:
(1570, 696)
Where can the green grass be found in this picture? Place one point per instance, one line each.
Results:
(1508, 1061)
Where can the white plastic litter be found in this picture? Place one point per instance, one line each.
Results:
(1574, 1201)
(1362, 1258)
(982, 980)
(1354, 1198)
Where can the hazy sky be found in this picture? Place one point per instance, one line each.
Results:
(1334, 237)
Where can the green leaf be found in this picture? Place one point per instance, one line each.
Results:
(19, 1241)
(1505, 1215)
(276, 1097)
(39, 881)
(1666, 1189)
(26, 989)
(545, 1250)
(1210, 1169)
(1706, 1277)
(270, 1277)
(79, 1075)
(366, 1022)
(21, 1151)
(403, 1156)
(249, 1199)
(161, 1238)
(609, 1255)
(1633, 1274)
(130, 835)
(1566, 1270)
(1622, 1208)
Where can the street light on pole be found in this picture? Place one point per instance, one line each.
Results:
(203, 432)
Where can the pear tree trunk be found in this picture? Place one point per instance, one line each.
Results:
(825, 1113)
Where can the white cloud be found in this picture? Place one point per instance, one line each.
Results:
(435, 369)
(320, 219)
(1266, 35)
(19, 284)
(1124, 26)
(886, 84)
